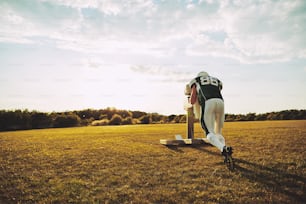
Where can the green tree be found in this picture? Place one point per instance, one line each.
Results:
(103, 116)
(183, 119)
(138, 114)
(171, 118)
(115, 120)
(40, 120)
(176, 119)
(250, 117)
(67, 120)
(156, 118)
(127, 121)
(146, 119)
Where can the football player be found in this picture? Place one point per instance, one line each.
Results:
(206, 98)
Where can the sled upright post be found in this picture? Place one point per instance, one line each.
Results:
(190, 140)
(190, 123)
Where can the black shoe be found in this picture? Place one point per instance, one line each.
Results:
(227, 151)
(228, 160)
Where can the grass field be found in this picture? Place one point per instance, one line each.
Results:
(126, 164)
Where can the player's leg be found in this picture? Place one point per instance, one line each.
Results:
(221, 139)
(227, 150)
(209, 116)
(209, 120)
(219, 120)
(202, 122)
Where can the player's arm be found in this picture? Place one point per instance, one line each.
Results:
(193, 96)
(220, 85)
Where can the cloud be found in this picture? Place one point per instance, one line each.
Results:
(11, 26)
(267, 31)
(110, 7)
(246, 31)
(162, 74)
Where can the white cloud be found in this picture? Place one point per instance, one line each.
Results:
(266, 31)
(251, 32)
(190, 6)
(163, 73)
(110, 7)
(12, 25)
(206, 1)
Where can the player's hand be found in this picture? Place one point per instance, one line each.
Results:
(187, 104)
(187, 90)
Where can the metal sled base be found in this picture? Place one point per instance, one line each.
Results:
(180, 141)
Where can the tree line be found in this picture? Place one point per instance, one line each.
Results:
(24, 119)
(281, 115)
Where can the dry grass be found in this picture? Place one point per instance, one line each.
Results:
(126, 164)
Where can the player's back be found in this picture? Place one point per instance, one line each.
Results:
(208, 87)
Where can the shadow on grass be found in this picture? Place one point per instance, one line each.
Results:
(276, 180)
(200, 147)
(205, 149)
(175, 148)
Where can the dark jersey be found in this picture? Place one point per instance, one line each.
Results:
(207, 87)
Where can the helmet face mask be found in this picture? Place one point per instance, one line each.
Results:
(203, 74)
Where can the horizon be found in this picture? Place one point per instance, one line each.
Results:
(139, 55)
(114, 108)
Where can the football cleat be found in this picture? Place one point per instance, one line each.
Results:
(228, 160)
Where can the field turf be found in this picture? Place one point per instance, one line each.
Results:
(126, 164)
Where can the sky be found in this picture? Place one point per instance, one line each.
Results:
(61, 55)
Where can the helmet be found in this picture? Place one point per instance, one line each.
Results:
(202, 74)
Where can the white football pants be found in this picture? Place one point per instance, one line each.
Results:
(213, 121)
